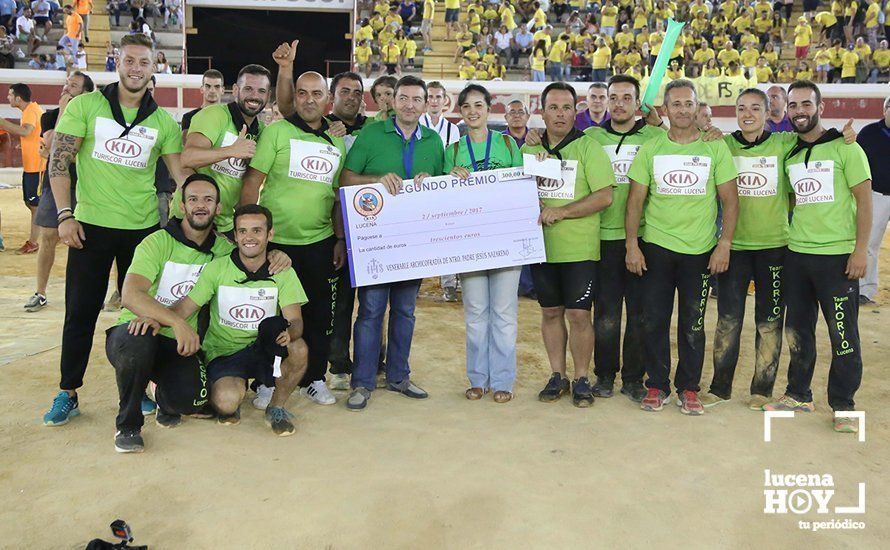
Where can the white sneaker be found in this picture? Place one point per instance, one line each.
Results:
(263, 396)
(318, 391)
(340, 382)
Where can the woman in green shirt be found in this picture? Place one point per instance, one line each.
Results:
(490, 296)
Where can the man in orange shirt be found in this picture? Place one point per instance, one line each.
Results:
(32, 163)
(84, 8)
(74, 29)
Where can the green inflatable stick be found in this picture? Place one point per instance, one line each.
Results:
(661, 62)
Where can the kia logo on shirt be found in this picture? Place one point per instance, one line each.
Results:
(180, 290)
(246, 313)
(238, 164)
(751, 180)
(549, 184)
(317, 165)
(807, 186)
(621, 166)
(680, 178)
(123, 147)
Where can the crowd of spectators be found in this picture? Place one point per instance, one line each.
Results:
(836, 41)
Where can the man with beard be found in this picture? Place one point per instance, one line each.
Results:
(76, 84)
(827, 254)
(164, 269)
(300, 163)
(621, 136)
(570, 215)
(348, 92)
(222, 139)
(681, 176)
(116, 135)
(255, 323)
(398, 149)
(212, 88)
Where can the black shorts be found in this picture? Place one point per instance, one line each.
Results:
(251, 362)
(569, 285)
(40, 20)
(390, 68)
(31, 188)
(452, 15)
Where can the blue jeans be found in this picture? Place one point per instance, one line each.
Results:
(490, 304)
(600, 75)
(555, 70)
(538, 76)
(69, 44)
(368, 332)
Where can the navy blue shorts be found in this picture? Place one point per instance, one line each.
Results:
(247, 363)
(451, 15)
(31, 188)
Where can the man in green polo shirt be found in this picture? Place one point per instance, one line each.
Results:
(827, 254)
(395, 149)
(570, 215)
(616, 288)
(222, 139)
(165, 266)
(255, 323)
(682, 176)
(117, 136)
(298, 163)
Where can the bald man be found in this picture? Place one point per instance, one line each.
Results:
(297, 163)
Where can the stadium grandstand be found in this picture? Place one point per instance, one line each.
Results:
(578, 40)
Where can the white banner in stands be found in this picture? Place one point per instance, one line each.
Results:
(295, 5)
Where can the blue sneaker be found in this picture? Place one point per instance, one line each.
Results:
(64, 409)
(148, 406)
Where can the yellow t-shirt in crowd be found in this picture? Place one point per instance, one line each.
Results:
(362, 54)
(601, 58)
(429, 9)
(452, 4)
(762, 25)
(633, 58)
(557, 52)
(410, 49)
(785, 76)
(624, 39)
(863, 51)
(364, 33)
(541, 35)
(763, 74)
(749, 58)
(538, 60)
(871, 15)
(881, 58)
(703, 55)
(390, 53)
(540, 18)
(725, 57)
(609, 16)
(472, 56)
(849, 61)
(804, 74)
(802, 35)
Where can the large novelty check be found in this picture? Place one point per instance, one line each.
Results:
(441, 226)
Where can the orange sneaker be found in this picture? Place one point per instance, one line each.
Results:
(28, 248)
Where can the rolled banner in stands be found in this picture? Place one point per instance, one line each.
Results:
(661, 62)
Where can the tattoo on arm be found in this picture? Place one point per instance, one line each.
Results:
(64, 149)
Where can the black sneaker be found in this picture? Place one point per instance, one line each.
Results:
(604, 387)
(635, 391)
(582, 394)
(166, 420)
(230, 419)
(278, 418)
(556, 387)
(128, 441)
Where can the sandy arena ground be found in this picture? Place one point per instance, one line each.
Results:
(442, 473)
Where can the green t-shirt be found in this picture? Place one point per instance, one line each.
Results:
(824, 220)
(237, 308)
(504, 153)
(116, 175)
(172, 268)
(763, 191)
(215, 123)
(302, 176)
(681, 211)
(586, 169)
(379, 149)
(622, 149)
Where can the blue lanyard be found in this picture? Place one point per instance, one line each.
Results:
(407, 153)
(473, 156)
